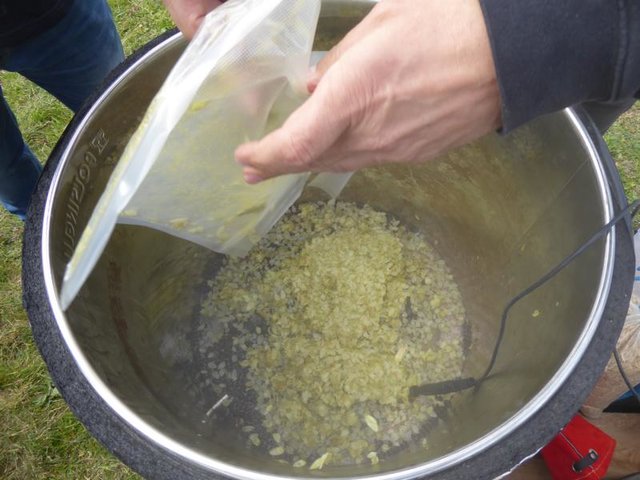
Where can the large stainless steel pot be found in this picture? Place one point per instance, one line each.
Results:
(502, 212)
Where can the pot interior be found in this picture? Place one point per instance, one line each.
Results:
(500, 212)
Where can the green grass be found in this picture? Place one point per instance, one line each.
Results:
(40, 438)
(623, 140)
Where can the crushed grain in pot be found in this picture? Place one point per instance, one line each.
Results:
(336, 313)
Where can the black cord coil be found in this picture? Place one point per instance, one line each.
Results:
(460, 384)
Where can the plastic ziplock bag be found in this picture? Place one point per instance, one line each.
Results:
(239, 78)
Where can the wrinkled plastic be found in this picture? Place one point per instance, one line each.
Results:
(240, 77)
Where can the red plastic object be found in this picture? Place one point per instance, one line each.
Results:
(580, 451)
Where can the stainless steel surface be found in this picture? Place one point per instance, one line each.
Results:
(501, 212)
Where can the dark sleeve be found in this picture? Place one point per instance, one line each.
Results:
(550, 54)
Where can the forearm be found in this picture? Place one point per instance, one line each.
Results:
(550, 54)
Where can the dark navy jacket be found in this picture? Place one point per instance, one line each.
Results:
(550, 54)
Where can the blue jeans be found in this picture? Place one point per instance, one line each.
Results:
(69, 61)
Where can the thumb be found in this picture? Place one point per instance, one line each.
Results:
(295, 147)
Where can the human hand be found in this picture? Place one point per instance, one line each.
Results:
(411, 81)
(188, 14)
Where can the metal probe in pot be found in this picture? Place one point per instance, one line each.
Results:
(460, 384)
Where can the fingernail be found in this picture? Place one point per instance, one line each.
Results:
(243, 154)
(252, 178)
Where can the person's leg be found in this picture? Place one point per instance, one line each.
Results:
(74, 56)
(19, 168)
(69, 60)
(604, 114)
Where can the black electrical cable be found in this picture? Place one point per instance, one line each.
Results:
(459, 384)
(632, 389)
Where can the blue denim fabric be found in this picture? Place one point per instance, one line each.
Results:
(69, 61)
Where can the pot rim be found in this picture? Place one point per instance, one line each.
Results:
(439, 464)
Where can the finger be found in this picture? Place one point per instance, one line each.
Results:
(188, 14)
(306, 134)
(318, 71)
(206, 6)
(332, 56)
